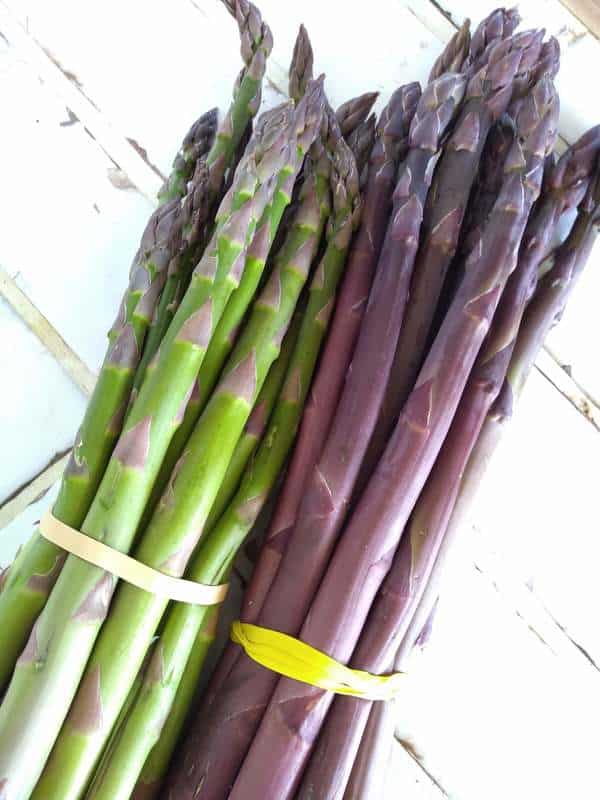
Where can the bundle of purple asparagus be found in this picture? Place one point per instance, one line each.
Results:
(331, 313)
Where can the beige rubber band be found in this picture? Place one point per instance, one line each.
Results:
(127, 568)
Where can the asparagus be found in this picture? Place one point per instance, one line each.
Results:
(543, 312)
(254, 429)
(215, 555)
(497, 146)
(223, 338)
(361, 141)
(368, 774)
(488, 94)
(196, 145)
(499, 24)
(39, 563)
(548, 63)
(351, 114)
(31, 577)
(389, 148)
(301, 66)
(320, 512)
(256, 45)
(156, 764)
(361, 560)
(179, 519)
(49, 670)
(331, 763)
(413, 563)
(454, 56)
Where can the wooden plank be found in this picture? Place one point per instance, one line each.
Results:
(490, 711)
(406, 778)
(587, 12)
(139, 171)
(69, 259)
(535, 512)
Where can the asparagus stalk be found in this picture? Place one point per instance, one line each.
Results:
(301, 65)
(49, 670)
(454, 56)
(217, 553)
(488, 94)
(196, 144)
(361, 141)
(223, 338)
(369, 772)
(179, 519)
(489, 180)
(320, 513)
(39, 563)
(158, 759)
(157, 763)
(390, 147)
(254, 429)
(351, 114)
(256, 45)
(543, 312)
(31, 577)
(214, 558)
(499, 24)
(338, 613)
(368, 776)
(497, 146)
(402, 590)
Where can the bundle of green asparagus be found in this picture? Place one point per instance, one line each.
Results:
(330, 310)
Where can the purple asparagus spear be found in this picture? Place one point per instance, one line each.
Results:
(215, 755)
(338, 613)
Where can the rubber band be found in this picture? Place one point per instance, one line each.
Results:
(298, 660)
(127, 568)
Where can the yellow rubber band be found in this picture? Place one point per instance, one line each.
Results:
(127, 568)
(298, 660)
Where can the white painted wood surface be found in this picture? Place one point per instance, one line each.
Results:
(491, 710)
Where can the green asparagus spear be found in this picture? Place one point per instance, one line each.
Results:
(49, 670)
(256, 425)
(216, 552)
(257, 43)
(31, 577)
(38, 565)
(180, 516)
(223, 338)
